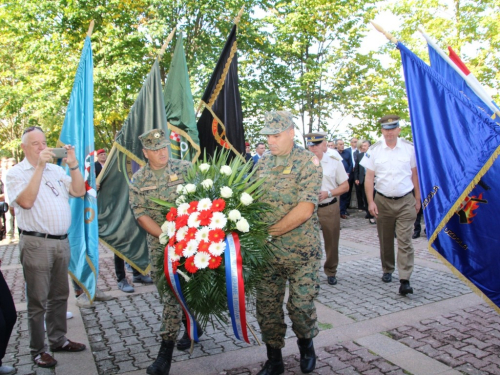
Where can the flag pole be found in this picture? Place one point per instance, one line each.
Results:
(110, 155)
(387, 34)
(167, 42)
(238, 17)
(91, 28)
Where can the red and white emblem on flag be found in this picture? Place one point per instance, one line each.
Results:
(174, 136)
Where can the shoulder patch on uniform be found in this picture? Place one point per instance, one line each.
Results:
(406, 141)
(335, 157)
(367, 155)
(376, 144)
(315, 160)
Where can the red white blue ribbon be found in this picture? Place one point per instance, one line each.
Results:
(173, 282)
(235, 287)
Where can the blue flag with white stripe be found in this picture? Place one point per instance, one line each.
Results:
(456, 146)
(78, 130)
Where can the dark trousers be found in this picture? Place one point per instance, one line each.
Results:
(345, 199)
(361, 197)
(7, 316)
(120, 269)
(417, 227)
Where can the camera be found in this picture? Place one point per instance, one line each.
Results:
(60, 153)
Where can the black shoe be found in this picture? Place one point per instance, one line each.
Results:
(307, 355)
(332, 280)
(185, 341)
(405, 287)
(416, 234)
(368, 216)
(161, 366)
(372, 220)
(387, 277)
(274, 364)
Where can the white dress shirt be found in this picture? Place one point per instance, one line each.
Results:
(333, 173)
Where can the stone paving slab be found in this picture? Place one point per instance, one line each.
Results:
(360, 294)
(467, 340)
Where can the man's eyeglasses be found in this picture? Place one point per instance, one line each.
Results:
(54, 190)
(31, 128)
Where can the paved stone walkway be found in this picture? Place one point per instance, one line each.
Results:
(366, 327)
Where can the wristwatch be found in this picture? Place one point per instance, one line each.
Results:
(329, 194)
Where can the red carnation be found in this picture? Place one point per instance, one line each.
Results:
(181, 221)
(204, 217)
(171, 241)
(193, 207)
(203, 246)
(214, 262)
(172, 214)
(218, 205)
(216, 235)
(179, 247)
(190, 267)
(191, 234)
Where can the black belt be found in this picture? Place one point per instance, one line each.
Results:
(334, 200)
(393, 198)
(43, 235)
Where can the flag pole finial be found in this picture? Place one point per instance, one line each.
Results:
(91, 28)
(238, 17)
(387, 35)
(167, 42)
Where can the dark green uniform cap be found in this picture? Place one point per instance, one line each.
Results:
(154, 140)
(277, 122)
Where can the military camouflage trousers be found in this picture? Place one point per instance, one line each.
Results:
(303, 280)
(172, 314)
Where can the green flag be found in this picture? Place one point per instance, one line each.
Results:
(179, 107)
(117, 226)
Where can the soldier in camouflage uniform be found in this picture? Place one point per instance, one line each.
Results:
(159, 179)
(293, 181)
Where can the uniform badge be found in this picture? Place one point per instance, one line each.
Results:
(157, 135)
(173, 177)
(367, 155)
(288, 169)
(315, 160)
(269, 116)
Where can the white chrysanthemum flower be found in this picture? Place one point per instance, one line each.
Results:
(183, 209)
(226, 170)
(164, 226)
(226, 192)
(201, 260)
(202, 234)
(193, 221)
(172, 255)
(181, 233)
(218, 220)
(204, 167)
(180, 200)
(204, 204)
(180, 189)
(191, 248)
(217, 248)
(190, 188)
(234, 215)
(242, 225)
(246, 199)
(207, 184)
(163, 238)
(171, 229)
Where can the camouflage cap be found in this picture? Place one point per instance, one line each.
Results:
(154, 139)
(389, 122)
(277, 122)
(315, 138)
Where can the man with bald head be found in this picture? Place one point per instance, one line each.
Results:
(293, 179)
(39, 191)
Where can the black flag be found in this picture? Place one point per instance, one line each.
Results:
(221, 122)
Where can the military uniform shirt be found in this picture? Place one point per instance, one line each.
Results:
(392, 167)
(145, 184)
(298, 180)
(333, 174)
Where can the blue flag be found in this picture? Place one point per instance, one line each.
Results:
(456, 146)
(78, 130)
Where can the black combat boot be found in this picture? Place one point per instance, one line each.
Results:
(185, 341)
(274, 364)
(307, 355)
(161, 366)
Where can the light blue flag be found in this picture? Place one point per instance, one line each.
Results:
(457, 147)
(78, 130)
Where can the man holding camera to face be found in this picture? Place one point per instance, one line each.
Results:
(39, 192)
